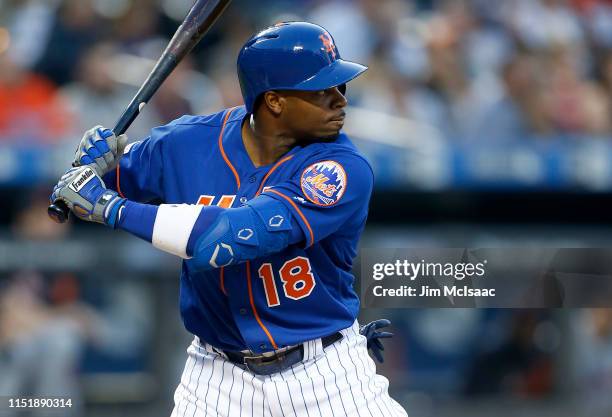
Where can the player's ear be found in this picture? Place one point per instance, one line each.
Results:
(274, 102)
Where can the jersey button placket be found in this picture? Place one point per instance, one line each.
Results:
(242, 311)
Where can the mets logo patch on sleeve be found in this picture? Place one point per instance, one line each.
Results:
(324, 183)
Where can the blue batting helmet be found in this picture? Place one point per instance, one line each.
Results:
(291, 56)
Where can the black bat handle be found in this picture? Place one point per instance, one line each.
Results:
(164, 66)
(58, 211)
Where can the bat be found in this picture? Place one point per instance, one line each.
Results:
(198, 21)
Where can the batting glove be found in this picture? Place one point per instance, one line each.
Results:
(84, 193)
(374, 335)
(100, 149)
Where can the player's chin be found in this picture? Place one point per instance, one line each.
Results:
(332, 129)
(326, 132)
(328, 136)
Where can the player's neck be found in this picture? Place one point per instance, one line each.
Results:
(264, 145)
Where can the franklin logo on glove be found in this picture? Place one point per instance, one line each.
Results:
(80, 182)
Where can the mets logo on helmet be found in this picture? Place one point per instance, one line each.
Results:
(324, 183)
(328, 46)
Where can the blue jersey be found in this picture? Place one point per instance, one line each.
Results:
(301, 293)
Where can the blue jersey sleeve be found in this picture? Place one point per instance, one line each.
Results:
(329, 194)
(139, 174)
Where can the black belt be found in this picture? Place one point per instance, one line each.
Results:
(267, 365)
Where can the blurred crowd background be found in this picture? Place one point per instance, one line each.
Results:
(489, 123)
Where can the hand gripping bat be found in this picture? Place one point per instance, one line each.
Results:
(199, 20)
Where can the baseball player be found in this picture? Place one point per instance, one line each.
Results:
(265, 203)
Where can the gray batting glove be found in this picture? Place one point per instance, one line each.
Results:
(84, 193)
(100, 149)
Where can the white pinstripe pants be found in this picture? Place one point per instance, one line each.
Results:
(338, 381)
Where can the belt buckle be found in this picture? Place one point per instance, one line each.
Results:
(275, 357)
(274, 364)
(268, 356)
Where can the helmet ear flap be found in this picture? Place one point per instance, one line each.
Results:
(342, 89)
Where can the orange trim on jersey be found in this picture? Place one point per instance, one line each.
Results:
(118, 185)
(205, 200)
(297, 209)
(222, 279)
(226, 201)
(282, 161)
(264, 328)
(227, 161)
(231, 167)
